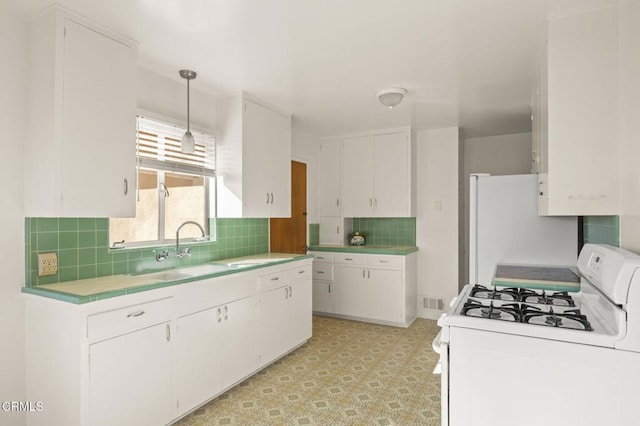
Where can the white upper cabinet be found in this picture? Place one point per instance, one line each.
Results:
(253, 159)
(80, 146)
(378, 176)
(575, 116)
(330, 169)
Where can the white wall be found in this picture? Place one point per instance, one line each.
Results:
(629, 129)
(497, 155)
(13, 46)
(167, 97)
(437, 215)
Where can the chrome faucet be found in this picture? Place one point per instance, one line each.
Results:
(186, 251)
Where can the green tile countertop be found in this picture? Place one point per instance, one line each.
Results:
(94, 289)
(366, 249)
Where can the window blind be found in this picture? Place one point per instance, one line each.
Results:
(158, 147)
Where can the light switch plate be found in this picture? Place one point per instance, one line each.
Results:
(47, 264)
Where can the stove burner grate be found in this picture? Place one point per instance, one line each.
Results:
(523, 313)
(525, 295)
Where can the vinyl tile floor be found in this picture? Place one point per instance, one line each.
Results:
(348, 373)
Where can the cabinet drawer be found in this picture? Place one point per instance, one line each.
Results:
(350, 259)
(322, 257)
(383, 261)
(300, 273)
(273, 280)
(120, 321)
(323, 271)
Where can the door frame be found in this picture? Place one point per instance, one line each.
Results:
(306, 162)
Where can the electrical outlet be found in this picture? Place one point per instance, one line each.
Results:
(47, 264)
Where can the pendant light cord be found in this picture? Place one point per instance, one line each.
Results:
(188, 118)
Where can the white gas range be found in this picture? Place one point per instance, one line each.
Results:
(528, 357)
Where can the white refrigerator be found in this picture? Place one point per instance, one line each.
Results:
(505, 227)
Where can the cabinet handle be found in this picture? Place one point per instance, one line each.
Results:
(301, 272)
(337, 229)
(329, 288)
(375, 202)
(363, 273)
(286, 293)
(275, 278)
(370, 202)
(384, 261)
(272, 198)
(168, 333)
(319, 272)
(135, 314)
(368, 274)
(126, 186)
(290, 292)
(267, 198)
(226, 313)
(337, 202)
(348, 258)
(219, 315)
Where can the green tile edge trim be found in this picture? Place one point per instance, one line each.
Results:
(78, 300)
(365, 250)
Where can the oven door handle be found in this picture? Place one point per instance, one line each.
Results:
(437, 346)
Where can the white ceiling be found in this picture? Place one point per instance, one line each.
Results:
(467, 63)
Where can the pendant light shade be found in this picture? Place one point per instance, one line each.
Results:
(188, 143)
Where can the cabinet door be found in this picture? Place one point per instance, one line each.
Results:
(392, 175)
(583, 98)
(280, 166)
(322, 296)
(99, 112)
(385, 296)
(256, 159)
(330, 172)
(299, 309)
(357, 177)
(331, 230)
(266, 162)
(239, 347)
(130, 379)
(198, 363)
(273, 318)
(351, 287)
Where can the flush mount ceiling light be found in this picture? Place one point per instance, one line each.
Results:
(188, 143)
(391, 97)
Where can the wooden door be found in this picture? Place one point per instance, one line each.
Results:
(289, 235)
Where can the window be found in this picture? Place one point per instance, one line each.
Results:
(173, 187)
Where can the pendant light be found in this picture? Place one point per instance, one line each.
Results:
(188, 143)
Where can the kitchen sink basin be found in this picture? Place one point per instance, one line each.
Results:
(207, 268)
(252, 262)
(169, 275)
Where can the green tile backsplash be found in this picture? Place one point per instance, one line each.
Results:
(314, 234)
(601, 230)
(82, 246)
(393, 231)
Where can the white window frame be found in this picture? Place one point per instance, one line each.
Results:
(149, 165)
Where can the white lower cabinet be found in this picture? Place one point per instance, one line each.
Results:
(215, 349)
(198, 372)
(149, 358)
(285, 312)
(130, 378)
(376, 288)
